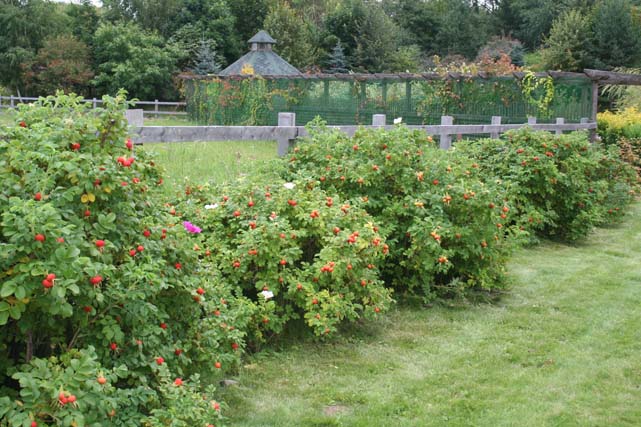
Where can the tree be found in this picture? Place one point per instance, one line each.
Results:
(154, 15)
(337, 62)
(131, 58)
(209, 20)
(84, 20)
(249, 16)
(205, 62)
(25, 24)
(292, 34)
(617, 35)
(568, 45)
(367, 34)
(62, 63)
(461, 30)
(418, 20)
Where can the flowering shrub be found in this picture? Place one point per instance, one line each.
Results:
(558, 185)
(446, 228)
(294, 251)
(622, 129)
(102, 297)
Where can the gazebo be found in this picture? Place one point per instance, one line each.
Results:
(261, 60)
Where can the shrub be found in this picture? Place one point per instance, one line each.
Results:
(294, 251)
(96, 280)
(560, 186)
(623, 129)
(445, 226)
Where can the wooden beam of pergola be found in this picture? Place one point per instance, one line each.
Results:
(613, 78)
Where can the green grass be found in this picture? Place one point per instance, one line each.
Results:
(216, 162)
(5, 117)
(168, 121)
(561, 348)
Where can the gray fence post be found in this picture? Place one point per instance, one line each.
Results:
(445, 137)
(531, 120)
(559, 121)
(378, 120)
(11, 104)
(94, 103)
(496, 121)
(156, 107)
(285, 120)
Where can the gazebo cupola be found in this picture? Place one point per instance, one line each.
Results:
(261, 41)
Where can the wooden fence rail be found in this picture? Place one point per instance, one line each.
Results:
(287, 131)
(15, 100)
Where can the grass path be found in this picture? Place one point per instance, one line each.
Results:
(562, 348)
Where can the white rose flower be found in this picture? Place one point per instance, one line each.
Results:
(398, 120)
(289, 185)
(267, 294)
(214, 206)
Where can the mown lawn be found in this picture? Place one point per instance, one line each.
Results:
(216, 162)
(561, 348)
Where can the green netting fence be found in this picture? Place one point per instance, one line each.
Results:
(350, 101)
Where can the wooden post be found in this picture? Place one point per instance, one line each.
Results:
(496, 121)
(531, 120)
(444, 137)
(285, 120)
(326, 91)
(559, 121)
(379, 120)
(595, 108)
(408, 95)
(384, 94)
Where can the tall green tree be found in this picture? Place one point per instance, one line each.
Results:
(418, 21)
(84, 20)
(24, 24)
(211, 20)
(569, 43)
(136, 60)
(249, 16)
(617, 35)
(293, 35)
(368, 35)
(151, 15)
(462, 30)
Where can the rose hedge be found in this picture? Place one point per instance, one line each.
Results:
(103, 300)
(560, 186)
(447, 228)
(295, 251)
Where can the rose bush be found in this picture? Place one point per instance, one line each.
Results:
(295, 251)
(560, 186)
(448, 230)
(102, 295)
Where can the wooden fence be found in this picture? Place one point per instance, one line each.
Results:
(13, 101)
(287, 131)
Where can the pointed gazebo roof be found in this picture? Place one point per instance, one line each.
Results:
(262, 37)
(261, 60)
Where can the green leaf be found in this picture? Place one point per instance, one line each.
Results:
(8, 288)
(20, 292)
(4, 317)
